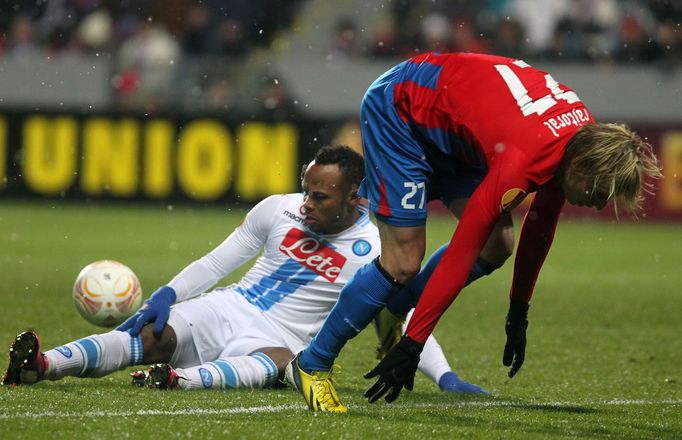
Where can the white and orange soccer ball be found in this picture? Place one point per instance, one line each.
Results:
(106, 293)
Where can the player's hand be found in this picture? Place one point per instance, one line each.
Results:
(156, 308)
(515, 327)
(395, 371)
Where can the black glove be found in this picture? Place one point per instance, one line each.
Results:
(395, 371)
(515, 327)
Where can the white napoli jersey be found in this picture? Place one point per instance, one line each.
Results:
(297, 279)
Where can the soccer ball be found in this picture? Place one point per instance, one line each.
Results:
(106, 293)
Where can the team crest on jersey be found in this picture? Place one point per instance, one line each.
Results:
(65, 351)
(361, 248)
(313, 254)
(512, 198)
(206, 377)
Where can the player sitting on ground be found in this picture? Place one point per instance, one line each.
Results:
(242, 335)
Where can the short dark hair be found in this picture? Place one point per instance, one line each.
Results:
(350, 162)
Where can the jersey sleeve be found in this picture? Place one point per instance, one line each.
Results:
(245, 242)
(537, 234)
(484, 208)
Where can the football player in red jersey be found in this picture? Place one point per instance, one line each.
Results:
(480, 133)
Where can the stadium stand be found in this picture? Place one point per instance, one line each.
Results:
(224, 56)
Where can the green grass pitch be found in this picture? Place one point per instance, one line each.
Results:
(604, 358)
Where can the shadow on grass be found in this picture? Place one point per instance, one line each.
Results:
(492, 417)
(485, 401)
(492, 401)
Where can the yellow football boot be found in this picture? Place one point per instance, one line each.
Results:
(318, 388)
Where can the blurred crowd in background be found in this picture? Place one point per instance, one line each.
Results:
(208, 27)
(151, 41)
(153, 45)
(631, 31)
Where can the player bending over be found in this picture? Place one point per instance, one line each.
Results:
(242, 335)
(479, 132)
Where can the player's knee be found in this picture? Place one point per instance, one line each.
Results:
(408, 271)
(402, 269)
(280, 356)
(499, 247)
(402, 251)
(158, 349)
(505, 244)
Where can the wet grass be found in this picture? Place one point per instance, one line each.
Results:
(603, 359)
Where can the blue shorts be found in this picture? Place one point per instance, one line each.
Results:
(401, 173)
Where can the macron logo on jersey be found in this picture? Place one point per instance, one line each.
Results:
(313, 254)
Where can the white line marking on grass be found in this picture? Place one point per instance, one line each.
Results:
(509, 403)
(297, 407)
(154, 412)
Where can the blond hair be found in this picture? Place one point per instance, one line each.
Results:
(617, 159)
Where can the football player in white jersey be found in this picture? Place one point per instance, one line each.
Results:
(245, 334)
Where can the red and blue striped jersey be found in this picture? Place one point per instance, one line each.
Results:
(510, 119)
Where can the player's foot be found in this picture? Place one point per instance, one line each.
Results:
(139, 378)
(317, 388)
(450, 383)
(389, 330)
(160, 376)
(26, 363)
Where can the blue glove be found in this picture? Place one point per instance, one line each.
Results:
(156, 308)
(450, 383)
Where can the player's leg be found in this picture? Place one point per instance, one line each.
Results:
(500, 244)
(401, 303)
(280, 356)
(359, 302)
(158, 350)
(407, 298)
(92, 356)
(496, 251)
(260, 369)
(102, 354)
(254, 355)
(395, 185)
(361, 299)
(435, 366)
(177, 346)
(389, 322)
(223, 342)
(199, 330)
(432, 362)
